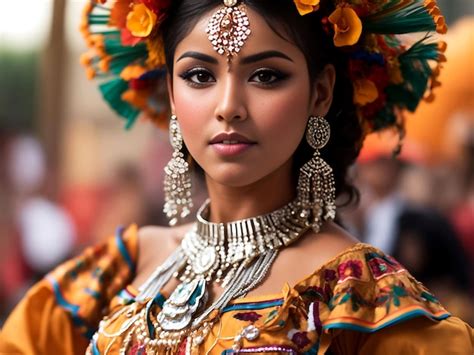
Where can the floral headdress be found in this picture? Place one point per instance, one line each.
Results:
(388, 77)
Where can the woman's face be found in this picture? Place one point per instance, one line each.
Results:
(263, 97)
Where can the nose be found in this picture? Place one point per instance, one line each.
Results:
(231, 101)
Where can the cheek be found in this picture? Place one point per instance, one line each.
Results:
(193, 110)
(284, 116)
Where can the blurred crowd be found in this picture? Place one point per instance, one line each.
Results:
(423, 215)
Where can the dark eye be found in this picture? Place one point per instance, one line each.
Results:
(201, 77)
(267, 76)
(197, 76)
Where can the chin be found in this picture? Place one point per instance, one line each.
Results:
(233, 175)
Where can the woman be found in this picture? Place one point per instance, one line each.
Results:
(263, 269)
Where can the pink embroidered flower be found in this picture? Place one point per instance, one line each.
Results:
(381, 265)
(138, 349)
(248, 316)
(299, 338)
(350, 269)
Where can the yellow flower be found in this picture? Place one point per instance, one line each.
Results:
(365, 92)
(141, 20)
(347, 26)
(306, 6)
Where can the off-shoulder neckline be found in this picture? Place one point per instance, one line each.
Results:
(274, 296)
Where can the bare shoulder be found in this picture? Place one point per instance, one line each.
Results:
(308, 254)
(155, 244)
(331, 241)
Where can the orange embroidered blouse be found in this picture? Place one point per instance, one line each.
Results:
(360, 302)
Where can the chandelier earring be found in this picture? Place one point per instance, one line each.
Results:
(316, 187)
(177, 181)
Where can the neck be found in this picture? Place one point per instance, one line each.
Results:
(232, 203)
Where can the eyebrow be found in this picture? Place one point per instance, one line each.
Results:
(245, 60)
(200, 56)
(264, 55)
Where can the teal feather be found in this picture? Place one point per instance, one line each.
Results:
(416, 71)
(400, 17)
(112, 93)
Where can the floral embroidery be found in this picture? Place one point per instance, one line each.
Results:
(349, 294)
(316, 293)
(329, 275)
(271, 316)
(248, 316)
(350, 269)
(391, 295)
(382, 265)
(138, 349)
(299, 338)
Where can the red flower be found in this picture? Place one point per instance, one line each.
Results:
(128, 39)
(350, 268)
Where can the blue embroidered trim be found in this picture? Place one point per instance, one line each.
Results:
(159, 300)
(252, 305)
(71, 308)
(95, 349)
(123, 249)
(126, 297)
(404, 317)
(92, 293)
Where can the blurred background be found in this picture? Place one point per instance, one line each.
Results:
(70, 173)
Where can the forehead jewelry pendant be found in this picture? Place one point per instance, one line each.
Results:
(228, 28)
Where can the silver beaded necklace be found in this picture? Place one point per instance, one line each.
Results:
(237, 254)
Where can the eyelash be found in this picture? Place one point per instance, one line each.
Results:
(189, 74)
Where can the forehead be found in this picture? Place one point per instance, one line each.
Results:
(262, 38)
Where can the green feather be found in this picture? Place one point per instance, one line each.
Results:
(112, 93)
(400, 17)
(416, 71)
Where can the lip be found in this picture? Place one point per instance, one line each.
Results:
(228, 150)
(231, 143)
(231, 136)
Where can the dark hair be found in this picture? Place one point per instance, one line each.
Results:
(309, 35)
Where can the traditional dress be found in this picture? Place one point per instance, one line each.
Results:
(360, 302)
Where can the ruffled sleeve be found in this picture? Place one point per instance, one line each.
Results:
(365, 300)
(60, 313)
(415, 336)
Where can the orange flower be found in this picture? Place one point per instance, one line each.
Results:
(347, 26)
(306, 6)
(141, 20)
(365, 92)
(156, 52)
(132, 72)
